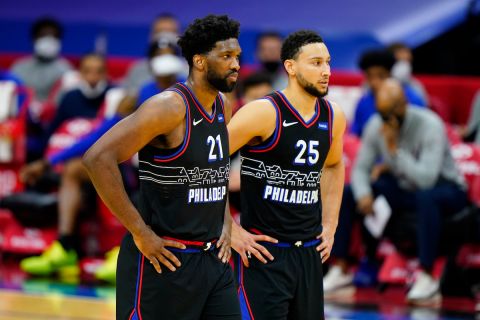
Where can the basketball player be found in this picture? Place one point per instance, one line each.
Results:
(291, 156)
(173, 262)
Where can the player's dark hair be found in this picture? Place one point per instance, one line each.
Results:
(376, 58)
(295, 41)
(202, 35)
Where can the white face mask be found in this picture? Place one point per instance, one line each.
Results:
(47, 47)
(93, 92)
(402, 71)
(166, 65)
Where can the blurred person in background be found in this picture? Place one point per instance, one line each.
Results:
(403, 68)
(376, 66)
(255, 86)
(45, 67)
(139, 73)
(417, 174)
(471, 132)
(85, 102)
(269, 45)
(74, 175)
(165, 66)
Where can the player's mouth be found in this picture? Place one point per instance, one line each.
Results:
(233, 76)
(323, 83)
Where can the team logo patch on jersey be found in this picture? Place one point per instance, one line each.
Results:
(221, 118)
(323, 125)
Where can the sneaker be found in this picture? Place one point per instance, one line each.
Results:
(55, 259)
(336, 279)
(108, 270)
(424, 288)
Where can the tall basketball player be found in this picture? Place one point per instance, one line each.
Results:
(173, 262)
(291, 187)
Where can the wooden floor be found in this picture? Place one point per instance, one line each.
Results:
(15, 305)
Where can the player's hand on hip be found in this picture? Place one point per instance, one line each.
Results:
(225, 243)
(325, 247)
(246, 244)
(154, 249)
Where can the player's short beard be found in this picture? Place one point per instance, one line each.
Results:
(220, 82)
(310, 87)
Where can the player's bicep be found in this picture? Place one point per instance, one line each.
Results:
(255, 119)
(158, 115)
(335, 153)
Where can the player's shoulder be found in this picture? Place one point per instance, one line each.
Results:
(261, 105)
(336, 109)
(167, 102)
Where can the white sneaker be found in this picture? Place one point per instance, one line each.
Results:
(424, 287)
(336, 279)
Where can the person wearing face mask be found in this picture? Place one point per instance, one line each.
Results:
(402, 69)
(417, 173)
(166, 25)
(85, 102)
(165, 66)
(41, 71)
(269, 45)
(377, 66)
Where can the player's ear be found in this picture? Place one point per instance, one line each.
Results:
(290, 66)
(199, 62)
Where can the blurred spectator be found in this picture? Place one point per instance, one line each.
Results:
(165, 66)
(471, 132)
(139, 72)
(86, 100)
(402, 69)
(376, 66)
(42, 70)
(74, 175)
(256, 86)
(418, 174)
(269, 45)
(82, 102)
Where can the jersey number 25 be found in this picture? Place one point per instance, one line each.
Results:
(309, 156)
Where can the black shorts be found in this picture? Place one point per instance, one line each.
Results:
(202, 288)
(288, 288)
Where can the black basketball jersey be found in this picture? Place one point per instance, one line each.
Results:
(280, 178)
(183, 191)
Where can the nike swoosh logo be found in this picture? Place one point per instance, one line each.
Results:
(197, 122)
(288, 124)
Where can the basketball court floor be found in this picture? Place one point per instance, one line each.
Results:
(24, 298)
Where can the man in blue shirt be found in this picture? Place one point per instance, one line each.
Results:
(376, 66)
(164, 65)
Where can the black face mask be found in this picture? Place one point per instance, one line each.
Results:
(271, 66)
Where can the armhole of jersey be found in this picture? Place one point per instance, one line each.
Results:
(330, 119)
(186, 139)
(272, 141)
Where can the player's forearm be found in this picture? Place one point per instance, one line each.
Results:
(107, 179)
(331, 185)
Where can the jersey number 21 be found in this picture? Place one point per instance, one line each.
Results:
(216, 152)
